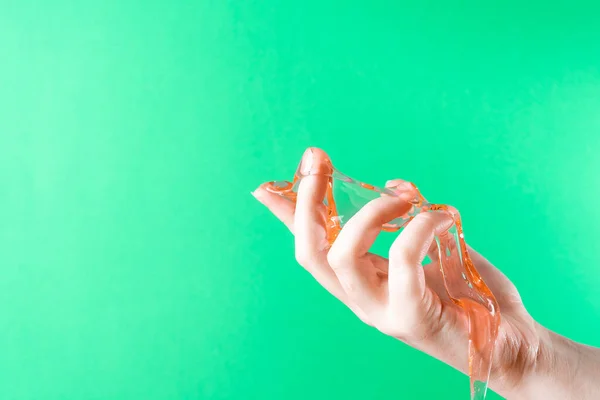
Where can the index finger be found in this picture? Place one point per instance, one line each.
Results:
(310, 217)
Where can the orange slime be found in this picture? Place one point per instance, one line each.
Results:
(463, 283)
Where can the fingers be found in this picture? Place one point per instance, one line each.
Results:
(310, 222)
(406, 278)
(281, 207)
(346, 256)
(310, 218)
(306, 219)
(311, 228)
(360, 232)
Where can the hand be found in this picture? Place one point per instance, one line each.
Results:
(407, 301)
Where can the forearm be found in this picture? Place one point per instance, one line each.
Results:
(565, 370)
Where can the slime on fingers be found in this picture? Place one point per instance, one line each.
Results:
(345, 197)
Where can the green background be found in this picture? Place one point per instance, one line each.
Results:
(134, 264)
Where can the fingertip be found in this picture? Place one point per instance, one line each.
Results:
(317, 152)
(394, 182)
(315, 162)
(442, 220)
(276, 203)
(404, 189)
(434, 221)
(260, 193)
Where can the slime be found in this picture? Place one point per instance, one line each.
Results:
(464, 285)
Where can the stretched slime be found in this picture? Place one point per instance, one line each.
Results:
(464, 285)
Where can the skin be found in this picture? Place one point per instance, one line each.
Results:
(403, 299)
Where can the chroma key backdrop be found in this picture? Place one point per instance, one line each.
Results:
(135, 264)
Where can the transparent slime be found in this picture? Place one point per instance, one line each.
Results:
(346, 196)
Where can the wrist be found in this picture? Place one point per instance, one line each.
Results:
(563, 369)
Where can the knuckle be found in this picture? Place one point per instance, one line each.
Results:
(304, 258)
(416, 324)
(397, 324)
(371, 209)
(425, 220)
(393, 326)
(376, 208)
(337, 258)
(399, 254)
(361, 315)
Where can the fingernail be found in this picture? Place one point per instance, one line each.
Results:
(257, 193)
(307, 162)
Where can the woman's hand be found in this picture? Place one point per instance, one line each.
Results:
(403, 299)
